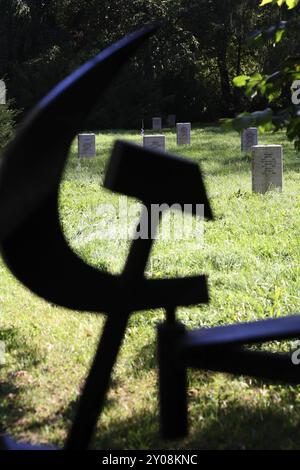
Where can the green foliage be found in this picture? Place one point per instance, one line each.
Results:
(186, 69)
(274, 87)
(289, 3)
(259, 119)
(274, 33)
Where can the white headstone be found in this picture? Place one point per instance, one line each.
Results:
(2, 92)
(267, 168)
(183, 133)
(156, 123)
(86, 145)
(249, 137)
(171, 120)
(156, 142)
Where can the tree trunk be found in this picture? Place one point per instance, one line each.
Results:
(224, 79)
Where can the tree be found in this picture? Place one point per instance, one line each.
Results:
(274, 87)
(185, 69)
(220, 29)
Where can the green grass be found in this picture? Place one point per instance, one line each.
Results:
(251, 255)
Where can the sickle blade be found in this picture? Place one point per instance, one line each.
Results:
(32, 242)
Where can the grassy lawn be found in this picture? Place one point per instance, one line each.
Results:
(251, 253)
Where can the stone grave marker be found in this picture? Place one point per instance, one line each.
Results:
(249, 137)
(86, 145)
(267, 168)
(156, 123)
(156, 142)
(183, 133)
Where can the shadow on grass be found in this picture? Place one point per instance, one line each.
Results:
(27, 357)
(238, 427)
(231, 427)
(227, 426)
(15, 415)
(235, 427)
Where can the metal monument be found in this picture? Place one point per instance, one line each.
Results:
(29, 214)
(34, 248)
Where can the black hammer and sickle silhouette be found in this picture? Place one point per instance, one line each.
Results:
(32, 241)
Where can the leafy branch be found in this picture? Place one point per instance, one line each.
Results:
(271, 87)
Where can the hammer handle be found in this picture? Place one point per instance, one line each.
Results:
(92, 400)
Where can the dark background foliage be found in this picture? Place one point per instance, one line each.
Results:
(186, 69)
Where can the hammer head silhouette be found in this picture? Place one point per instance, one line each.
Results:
(156, 177)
